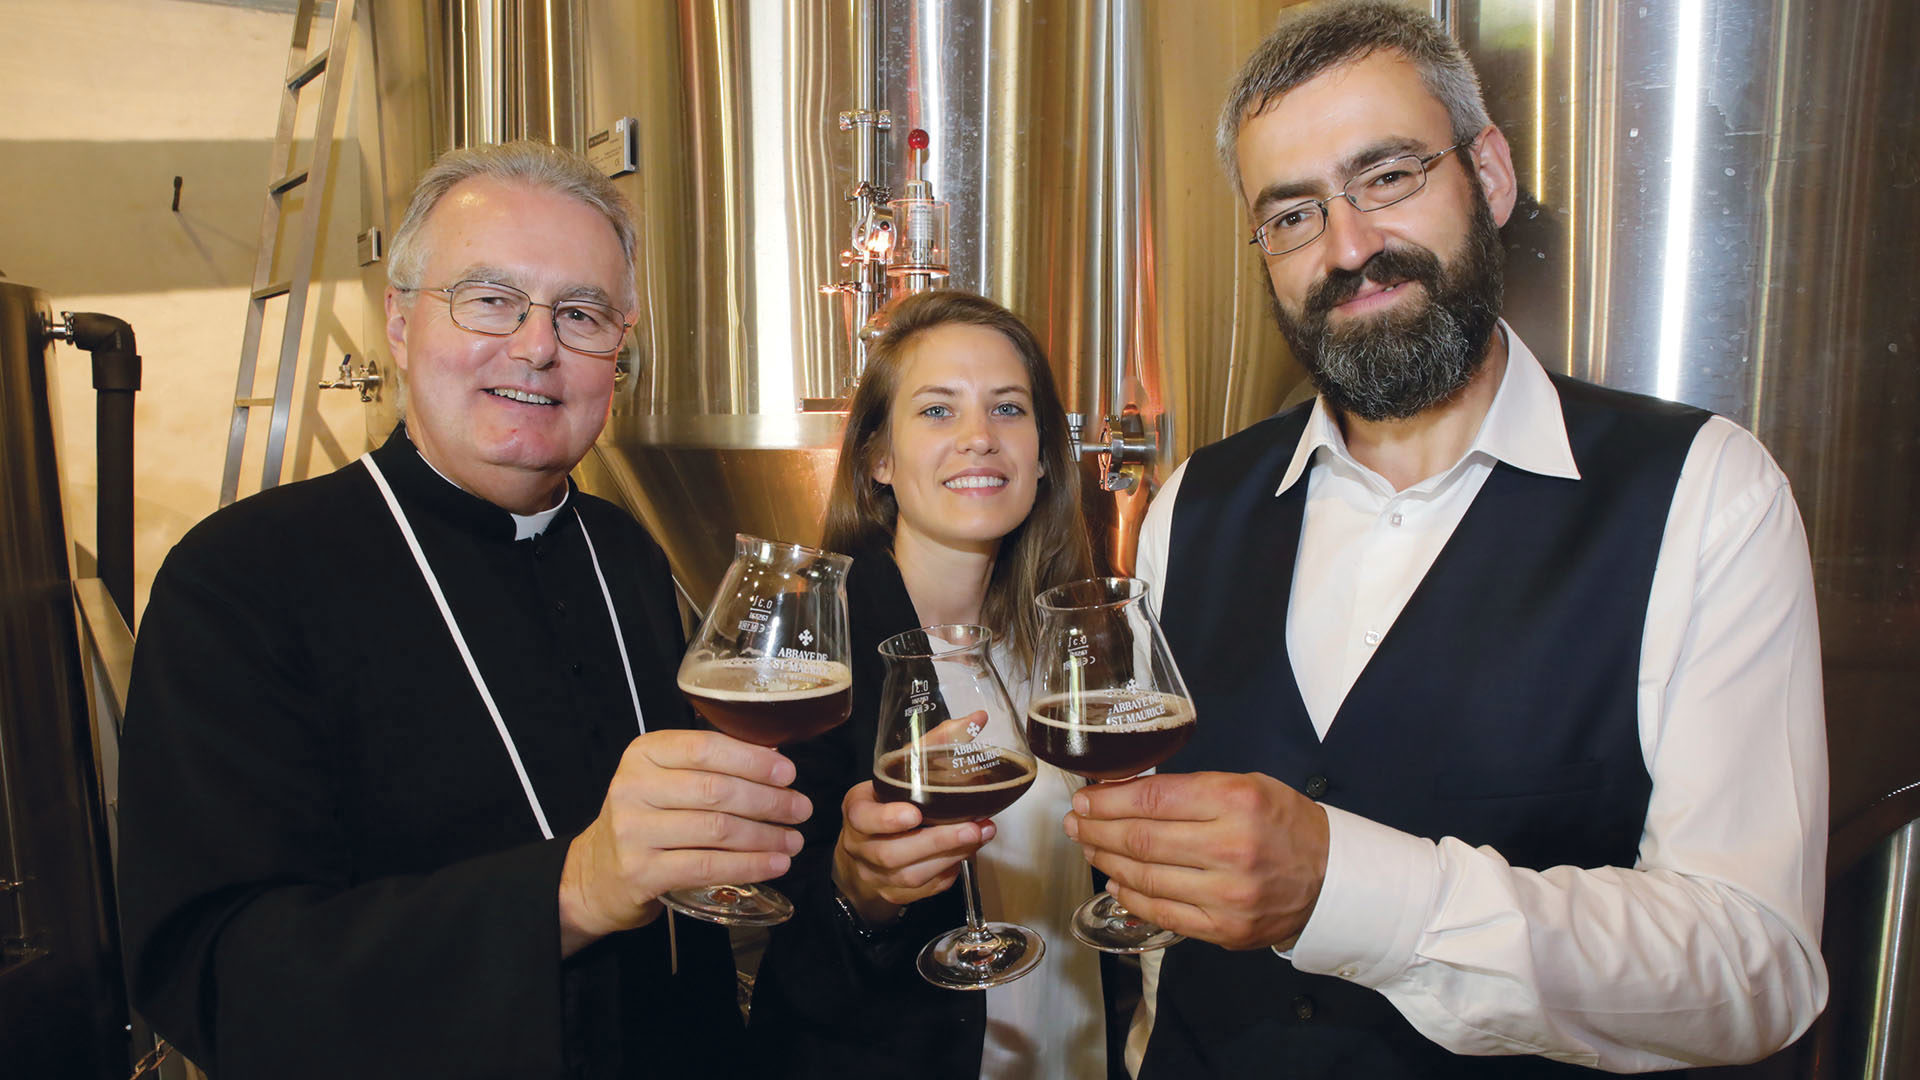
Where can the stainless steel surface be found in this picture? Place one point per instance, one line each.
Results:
(1726, 211)
(696, 480)
(470, 42)
(1892, 1046)
(543, 73)
(59, 973)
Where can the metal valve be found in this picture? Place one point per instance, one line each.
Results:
(1125, 448)
(366, 380)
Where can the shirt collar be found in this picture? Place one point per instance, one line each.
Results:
(525, 526)
(1524, 427)
(531, 525)
(419, 484)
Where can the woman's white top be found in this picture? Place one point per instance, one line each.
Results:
(1052, 1022)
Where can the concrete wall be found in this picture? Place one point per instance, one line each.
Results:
(108, 101)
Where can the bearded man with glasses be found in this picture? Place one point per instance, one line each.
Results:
(405, 763)
(1512, 740)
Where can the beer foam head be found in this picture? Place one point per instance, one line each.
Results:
(1106, 710)
(765, 679)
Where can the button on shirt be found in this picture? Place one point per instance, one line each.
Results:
(1712, 938)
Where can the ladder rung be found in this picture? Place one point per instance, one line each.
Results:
(252, 402)
(288, 183)
(268, 292)
(308, 71)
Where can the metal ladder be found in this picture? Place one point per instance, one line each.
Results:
(302, 70)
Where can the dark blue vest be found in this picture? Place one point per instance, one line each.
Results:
(1499, 709)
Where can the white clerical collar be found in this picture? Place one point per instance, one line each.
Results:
(525, 526)
(1524, 426)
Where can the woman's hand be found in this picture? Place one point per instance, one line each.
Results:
(884, 860)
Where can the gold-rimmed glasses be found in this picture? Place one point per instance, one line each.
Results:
(488, 307)
(1394, 180)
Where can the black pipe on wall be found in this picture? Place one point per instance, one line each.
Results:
(116, 378)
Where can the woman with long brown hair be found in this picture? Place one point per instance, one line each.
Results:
(958, 497)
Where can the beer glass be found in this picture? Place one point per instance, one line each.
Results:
(1108, 704)
(768, 666)
(949, 743)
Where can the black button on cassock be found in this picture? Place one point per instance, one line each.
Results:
(1316, 787)
(1303, 1007)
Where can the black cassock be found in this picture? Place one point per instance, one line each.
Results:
(329, 867)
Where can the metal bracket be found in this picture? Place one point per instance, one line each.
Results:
(367, 380)
(879, 121)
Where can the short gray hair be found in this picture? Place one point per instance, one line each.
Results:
(531, 164)
(1313, 39)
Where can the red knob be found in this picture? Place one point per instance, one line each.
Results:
(917, 139)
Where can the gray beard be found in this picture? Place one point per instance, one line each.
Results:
(1392, 368)
(1402, 363)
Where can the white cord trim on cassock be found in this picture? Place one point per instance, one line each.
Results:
(619, 638)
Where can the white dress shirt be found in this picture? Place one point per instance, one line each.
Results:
(1052, 1022)
(1707, 950)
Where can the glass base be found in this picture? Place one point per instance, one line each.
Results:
(960, 960)
(732, 905)
(1106, 925)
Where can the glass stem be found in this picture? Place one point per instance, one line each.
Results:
(974, 926)
(1119, 909)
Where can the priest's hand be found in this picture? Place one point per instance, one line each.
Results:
(685, 808)
(1233, 859)
(884, 860)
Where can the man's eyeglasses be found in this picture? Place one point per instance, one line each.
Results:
(1392, 181)
(488, 307)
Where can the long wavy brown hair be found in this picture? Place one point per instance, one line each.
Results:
(1048, 548)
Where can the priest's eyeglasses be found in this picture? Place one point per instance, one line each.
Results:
(1392, 181)
(488, 307)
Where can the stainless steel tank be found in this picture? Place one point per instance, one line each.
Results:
(59, 971)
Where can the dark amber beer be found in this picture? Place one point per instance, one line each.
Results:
(954, 787)
(1108, 734)
(767, 702)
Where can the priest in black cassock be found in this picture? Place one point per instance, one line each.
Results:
(405, 763)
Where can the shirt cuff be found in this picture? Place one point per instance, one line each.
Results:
(1374, 904)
